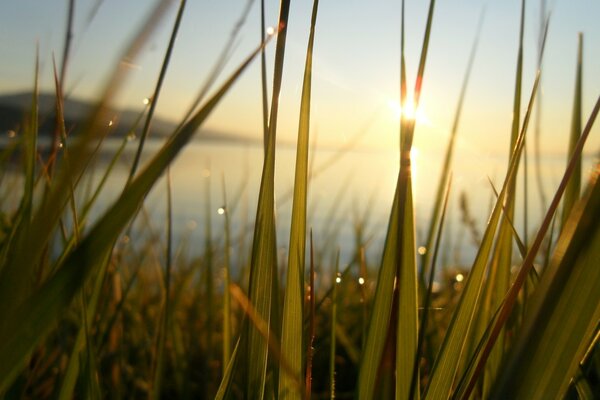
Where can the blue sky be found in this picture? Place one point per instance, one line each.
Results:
(355, 66)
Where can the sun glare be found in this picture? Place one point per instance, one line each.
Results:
(409, 111)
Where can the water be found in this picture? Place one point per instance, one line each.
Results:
(348, 189)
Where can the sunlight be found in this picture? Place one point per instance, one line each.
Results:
(409, 112)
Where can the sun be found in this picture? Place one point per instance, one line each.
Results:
(409, 112)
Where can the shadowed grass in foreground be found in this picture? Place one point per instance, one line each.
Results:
(105, 307)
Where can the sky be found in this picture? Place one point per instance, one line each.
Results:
(356, 64)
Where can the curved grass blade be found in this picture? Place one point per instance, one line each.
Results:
(292, 329)
(28, 322)
(263, 266)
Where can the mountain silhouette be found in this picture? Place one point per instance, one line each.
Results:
(14, 108)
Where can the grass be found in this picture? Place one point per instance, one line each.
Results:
(104, 307)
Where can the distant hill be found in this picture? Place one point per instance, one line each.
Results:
(15, 106)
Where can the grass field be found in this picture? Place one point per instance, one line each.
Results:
(111, 307)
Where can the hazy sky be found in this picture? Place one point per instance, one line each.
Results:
(356, 63)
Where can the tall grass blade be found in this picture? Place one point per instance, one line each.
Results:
(332, 350)
(166, 315)
(311, 323)
(263, 78)
(406, 268)
(574, 186)
(227, 336)
(264, 259)
(291, 339)
(155, 95)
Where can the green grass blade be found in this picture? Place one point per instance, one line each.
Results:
(381, 309)
(155, 95)
(166, 314)
(407, 330)
(414, 387)
(547, 356)
(574, 186)
(226, 382)
(26, 323)
(263, 78)
(406, 268)
(227, 336)
(291, 339)
(334, 306)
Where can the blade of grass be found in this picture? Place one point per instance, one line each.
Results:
(263, 78)
(414, 387)
(332, 350)
(264, 258)
(156, 94)
(227, 337)
(406, 268)
(156, 388)
(311, 325)
(291, 339)
(574, 186)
